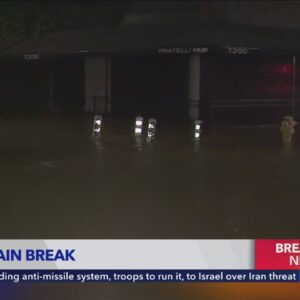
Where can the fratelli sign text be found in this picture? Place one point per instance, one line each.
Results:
(200, 50)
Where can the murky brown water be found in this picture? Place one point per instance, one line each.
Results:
(57, 181)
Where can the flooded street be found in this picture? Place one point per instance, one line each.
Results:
(58, 181)
(149, 150)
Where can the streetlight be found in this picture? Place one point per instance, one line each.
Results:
(138, 132)
(97, 125)
(152, 123)
(197, 129)
(138, 129)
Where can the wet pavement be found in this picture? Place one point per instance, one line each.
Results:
(58, 181)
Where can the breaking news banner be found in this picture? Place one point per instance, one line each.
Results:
(134, 261)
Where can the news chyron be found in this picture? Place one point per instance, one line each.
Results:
(180, 261)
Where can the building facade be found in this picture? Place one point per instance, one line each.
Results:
(210, 61)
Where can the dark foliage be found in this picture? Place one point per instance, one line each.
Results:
(25, 19)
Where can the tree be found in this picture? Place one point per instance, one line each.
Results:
(25, 19)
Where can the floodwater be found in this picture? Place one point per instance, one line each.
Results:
(58, 181)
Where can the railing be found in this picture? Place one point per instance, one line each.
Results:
(98, 104)
(247, 103)
(251, 111)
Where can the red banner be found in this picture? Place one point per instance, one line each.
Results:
(277, 254)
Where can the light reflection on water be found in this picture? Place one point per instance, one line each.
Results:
(57, 181)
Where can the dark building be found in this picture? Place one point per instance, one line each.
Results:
(226, 62)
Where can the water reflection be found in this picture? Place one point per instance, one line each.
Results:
(288, 150)
(196, 145)
(98, 143)
(138, 142)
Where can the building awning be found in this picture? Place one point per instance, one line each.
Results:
(150, 37)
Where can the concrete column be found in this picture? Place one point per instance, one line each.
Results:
(97, 84)
(51, 87)
(194, 86)
(108, 84)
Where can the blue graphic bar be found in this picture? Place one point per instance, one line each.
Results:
(142, 276)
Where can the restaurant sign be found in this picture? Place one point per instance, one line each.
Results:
(199, 50)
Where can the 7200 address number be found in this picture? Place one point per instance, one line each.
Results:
(237, 50)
